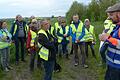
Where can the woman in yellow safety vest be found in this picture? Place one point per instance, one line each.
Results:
(5, 39)
(89, 37)
(31, 43)
(63, 38)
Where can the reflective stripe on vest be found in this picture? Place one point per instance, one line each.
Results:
(43, 52)
(108, 24)
(77, 31)
(113, 61)
(113, 50)
(57, 26)
(51, 31)
(4, 45)
(88, 34)
(61, 31)
(33, 37)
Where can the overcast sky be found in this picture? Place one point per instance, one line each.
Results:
(10, 8)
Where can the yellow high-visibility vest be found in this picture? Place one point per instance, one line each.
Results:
(78, 31)
(61, 31)
(33, 37)
(43, 52)
(26, 29)
(108, 24)
(4, 44)
(89, 35)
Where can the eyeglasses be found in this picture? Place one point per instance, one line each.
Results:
(62, 22)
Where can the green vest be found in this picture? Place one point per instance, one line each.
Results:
(33, 37)
(89, 35)
(61, 31)
(78, 31)
(43, 52)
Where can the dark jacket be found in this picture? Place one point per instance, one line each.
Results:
(13, 27)
(49, 44)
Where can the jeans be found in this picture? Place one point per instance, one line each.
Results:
(4, 57)
(92, 49)
(17, 46)
(82, 51)
(49, 67)
(112, 73)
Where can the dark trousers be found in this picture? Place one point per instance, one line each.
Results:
(39, 61)
(71, 52)
(49, 67)
(92, 48)
(112, 73)
(64, 48)
(56, 46)
(19, 41)
(82, 51)
(32, 59)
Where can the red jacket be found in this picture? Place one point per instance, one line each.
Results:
(29, 41)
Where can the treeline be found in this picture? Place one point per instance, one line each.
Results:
(95, 10)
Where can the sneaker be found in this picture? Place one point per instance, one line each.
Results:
(9, 67)
(58, 70)
(6, 70)
(85, 66)
(76, 64)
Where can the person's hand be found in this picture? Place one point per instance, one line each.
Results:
(103, 36)
(29, 50)
(93, 42)
(65, 35)
(77, 40)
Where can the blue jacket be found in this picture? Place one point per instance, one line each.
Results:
(74, 34)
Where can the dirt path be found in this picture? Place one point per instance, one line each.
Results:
(69, 72)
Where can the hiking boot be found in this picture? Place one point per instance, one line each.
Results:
(9, 67)
(76, 64)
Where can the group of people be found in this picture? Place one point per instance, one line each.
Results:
(49, 42)
(46, 41)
